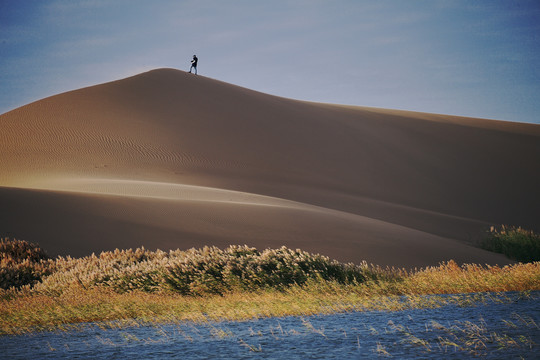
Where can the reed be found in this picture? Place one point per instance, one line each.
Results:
(236, 283)
(21, 263)
(192, 272)
(516, 243)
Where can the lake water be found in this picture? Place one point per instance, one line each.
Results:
(496, 329)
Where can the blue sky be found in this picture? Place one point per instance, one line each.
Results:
(472, 58)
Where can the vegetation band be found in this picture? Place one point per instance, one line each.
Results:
(235, 283)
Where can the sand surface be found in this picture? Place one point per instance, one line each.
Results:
(168, 159)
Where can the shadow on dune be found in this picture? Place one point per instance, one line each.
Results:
(390, 187)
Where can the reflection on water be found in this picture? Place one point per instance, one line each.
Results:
(497, 329)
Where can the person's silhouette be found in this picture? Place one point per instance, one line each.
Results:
(194, 64)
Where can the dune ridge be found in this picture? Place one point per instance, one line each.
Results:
(172, 160)
(164, 191)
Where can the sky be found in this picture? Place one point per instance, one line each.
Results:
(457, 57)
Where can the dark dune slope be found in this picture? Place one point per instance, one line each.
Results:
(351, 182)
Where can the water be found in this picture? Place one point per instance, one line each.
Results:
(506, 329)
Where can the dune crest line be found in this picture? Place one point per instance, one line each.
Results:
(163, 191)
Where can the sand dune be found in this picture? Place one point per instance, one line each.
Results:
(167, 159)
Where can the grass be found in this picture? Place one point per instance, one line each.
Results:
(516, 243)
(133, 286)
(21, 263)
(474, 338)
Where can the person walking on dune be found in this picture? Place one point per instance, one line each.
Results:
(194, 64)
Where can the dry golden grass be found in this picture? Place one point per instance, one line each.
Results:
(31, 311)
(134, 286)
(450, 278)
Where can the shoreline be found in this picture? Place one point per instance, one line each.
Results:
(30, 312)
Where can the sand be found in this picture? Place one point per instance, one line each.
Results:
(167, 159)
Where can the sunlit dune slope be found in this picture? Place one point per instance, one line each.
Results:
(167, 159)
